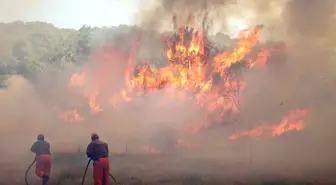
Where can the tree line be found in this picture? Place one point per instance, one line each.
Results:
(28, 48)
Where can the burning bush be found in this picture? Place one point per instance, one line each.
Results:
(212, 84)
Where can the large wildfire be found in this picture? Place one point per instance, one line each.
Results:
(213, 84)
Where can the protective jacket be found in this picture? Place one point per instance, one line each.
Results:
(41, 148)
(97, 149)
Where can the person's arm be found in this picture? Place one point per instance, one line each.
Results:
(49, 147)
(89, 150)
(107, 149)
(33, 147)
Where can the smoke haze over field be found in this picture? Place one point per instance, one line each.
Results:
(300, 76)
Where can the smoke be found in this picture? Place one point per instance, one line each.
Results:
(289, 78)
(158, 15)
(23, 117)
(301, 79)
(310, 19)
(300, 76)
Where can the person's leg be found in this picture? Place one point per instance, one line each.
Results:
(39, 167)
(47, 169)
(106, 171)
(97, 173)
(104, 178)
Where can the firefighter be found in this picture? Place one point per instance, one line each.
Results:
(98, 152)
(41, 148)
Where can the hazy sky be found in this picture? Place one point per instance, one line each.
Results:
(75, 13)
(70, 13)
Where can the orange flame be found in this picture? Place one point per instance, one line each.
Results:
(190, 76)
(71, 116)
(292, 122)
(78, 79)
(93, 102)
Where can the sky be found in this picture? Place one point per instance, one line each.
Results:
(75, 13)
(70, 13)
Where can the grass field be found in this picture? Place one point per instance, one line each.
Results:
(164, 169)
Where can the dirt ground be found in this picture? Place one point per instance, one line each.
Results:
(150, 169)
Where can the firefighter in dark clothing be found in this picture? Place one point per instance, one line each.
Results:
(43, 158)
(98, 151)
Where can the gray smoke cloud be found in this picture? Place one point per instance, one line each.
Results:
(159, 15)
(304, 78)
(301, 78)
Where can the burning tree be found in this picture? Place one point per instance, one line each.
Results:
(212, 83)
(191, 69)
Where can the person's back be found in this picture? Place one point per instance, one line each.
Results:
(41, 147)
(97, 149)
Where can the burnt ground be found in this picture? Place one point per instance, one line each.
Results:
(164, 169)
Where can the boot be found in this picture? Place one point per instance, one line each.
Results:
(45, 179)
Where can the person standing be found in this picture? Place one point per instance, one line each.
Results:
(98, 152)
(41, 148)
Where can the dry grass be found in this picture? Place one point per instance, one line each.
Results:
(167, 169)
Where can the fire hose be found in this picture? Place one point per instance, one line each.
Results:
(87, 166)
(28, 171)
